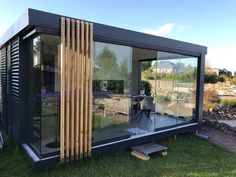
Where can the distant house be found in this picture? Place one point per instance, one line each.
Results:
(164, 67)
(169, 67)
(216, 71)
(220, 72)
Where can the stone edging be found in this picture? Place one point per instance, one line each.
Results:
(225, 128)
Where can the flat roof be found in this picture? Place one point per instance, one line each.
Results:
(35, 18)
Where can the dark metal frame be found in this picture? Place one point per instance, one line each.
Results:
(49, 23)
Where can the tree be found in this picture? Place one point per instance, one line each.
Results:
(124, 69)
(146, 65)
(106, 66)
(124, 73)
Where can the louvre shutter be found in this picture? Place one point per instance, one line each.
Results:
(14, 87)
(3, 86)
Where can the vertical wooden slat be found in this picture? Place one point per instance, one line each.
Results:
(72, 80)
(77, 64)
(68, 90)
(62, 87)
(82, 90)
(76, 89)
(86, 90)
(90, 89)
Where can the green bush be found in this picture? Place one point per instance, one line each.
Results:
(148, 75)
(212, 78)
(229, 102)
(147, 87)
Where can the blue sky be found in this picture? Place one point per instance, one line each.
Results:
(207, 22)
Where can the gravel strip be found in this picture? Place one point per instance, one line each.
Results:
(223, 140)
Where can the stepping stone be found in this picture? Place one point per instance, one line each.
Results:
(143, 151)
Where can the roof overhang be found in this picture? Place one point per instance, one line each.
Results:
(36, 18)
(21, 23)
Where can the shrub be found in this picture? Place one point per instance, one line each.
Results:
(147, 87)
(229, 102)
(211, 98)
(212, 78)
(148, 75)
(233, 80)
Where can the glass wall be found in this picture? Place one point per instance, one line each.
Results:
(44, 101)
(111, 92)
(35, 108)
(138, 91)
(173, 85)
(135, 92)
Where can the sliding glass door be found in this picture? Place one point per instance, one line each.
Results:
(172, 78)
(111, 92)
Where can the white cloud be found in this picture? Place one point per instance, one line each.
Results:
(222, 56)
(161, 31)
(182, 28)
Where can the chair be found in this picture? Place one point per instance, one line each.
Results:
(146, 106)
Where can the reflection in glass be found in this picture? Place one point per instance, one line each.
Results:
(124, 104)
(111, 92)
(45, 97)
(176, 86)
(172, 78)
(35, 135)
(50, 88)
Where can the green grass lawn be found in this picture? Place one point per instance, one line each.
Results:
(187, 156)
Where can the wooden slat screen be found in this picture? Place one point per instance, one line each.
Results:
(76, 59)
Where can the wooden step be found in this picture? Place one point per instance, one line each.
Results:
(140, 155)
(143, 151)
(149, 148)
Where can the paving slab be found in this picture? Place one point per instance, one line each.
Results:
(231, 123)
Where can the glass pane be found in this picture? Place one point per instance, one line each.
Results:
(35, 122)
(166, 93)
(187, 87)
(143, 115)
(111, 92)
(44, 90)
(50, 88)
(175, 89)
